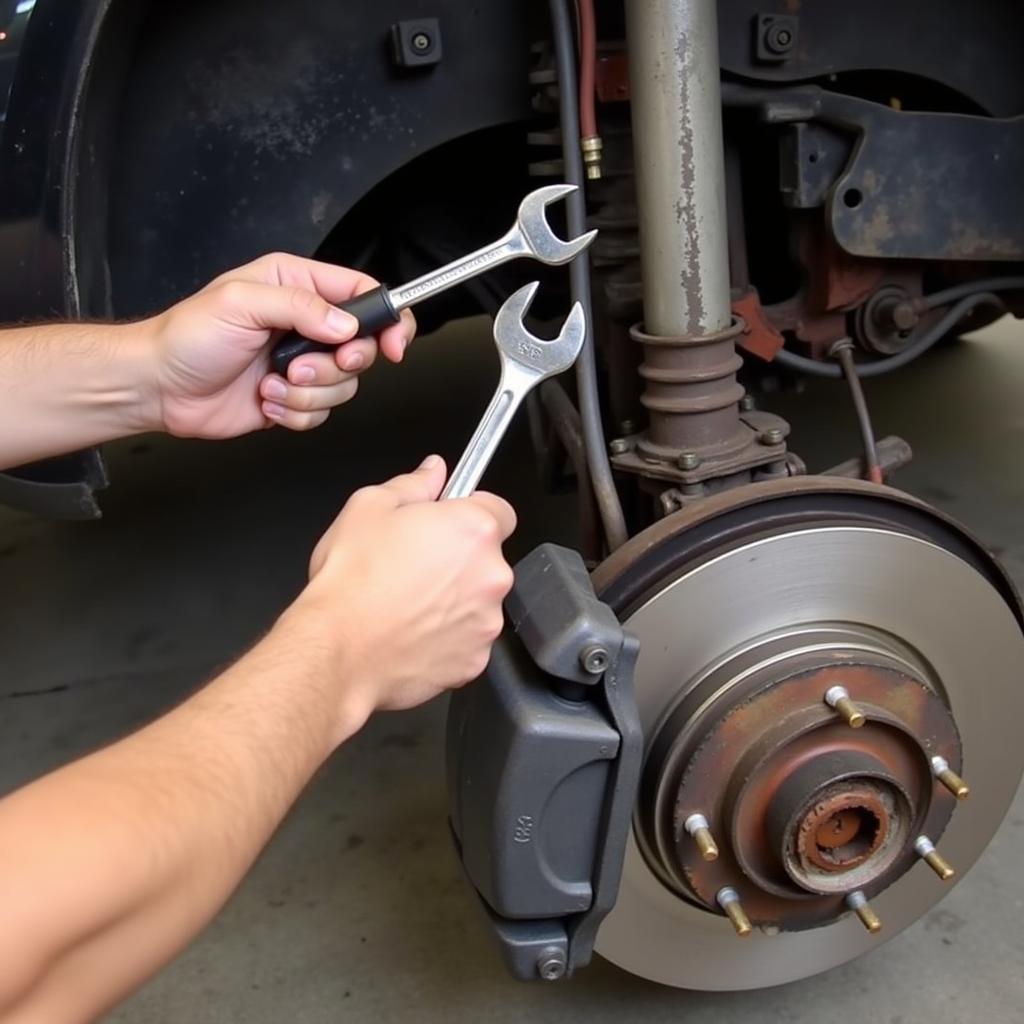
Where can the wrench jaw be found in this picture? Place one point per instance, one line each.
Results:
(532, 223)
(542, 357)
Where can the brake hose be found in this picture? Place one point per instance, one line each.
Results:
(608, 503)
(917, 346)
(958, 291)
(842, 351)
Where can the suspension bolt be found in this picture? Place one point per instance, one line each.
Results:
(858, 903)
(729, 900)
(950, 779)
(747, 403)
(551, 964)
(594, 659)
(772, 436)
(925, 849)
(619, 446)
(837, 697)
(627, 427)
(688, 460)
(696, 825)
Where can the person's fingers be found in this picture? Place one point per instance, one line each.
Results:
(394, 341)
(308, 398)
(356, 356)
(422, 485)
(292, 419)
(502, 512)
(334, 283)
(327, 368)
(266, 306)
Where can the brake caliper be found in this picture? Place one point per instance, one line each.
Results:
(544, 757)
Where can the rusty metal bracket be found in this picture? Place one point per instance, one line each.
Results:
(702, 433)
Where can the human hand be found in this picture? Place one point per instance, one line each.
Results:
(408, 590)
(212, 350)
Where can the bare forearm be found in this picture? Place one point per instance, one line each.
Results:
(163, 826)
(69, 386)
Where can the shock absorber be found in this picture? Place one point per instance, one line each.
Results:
(696, 438)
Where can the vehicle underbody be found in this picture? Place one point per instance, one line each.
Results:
(780, 189)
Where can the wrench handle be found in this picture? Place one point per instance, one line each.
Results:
(374, 310)
(514, 386)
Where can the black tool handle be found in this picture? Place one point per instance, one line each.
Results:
(374, 310)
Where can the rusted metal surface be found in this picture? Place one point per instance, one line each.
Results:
(696, 432)
(776, 772)
(760, 336)
(843, 827)
(691, 392)
(835, 284)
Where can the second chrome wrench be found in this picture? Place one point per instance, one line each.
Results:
(525, 361)
(531, 236)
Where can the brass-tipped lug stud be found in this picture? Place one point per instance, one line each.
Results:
(729, 900)
(858, 903)
(696, 825)
(837, 697)
(925, 849)
(950, 779)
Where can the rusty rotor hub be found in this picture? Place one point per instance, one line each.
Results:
(844, 826)
(805, 809)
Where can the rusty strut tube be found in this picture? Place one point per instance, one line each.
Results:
(690, 359)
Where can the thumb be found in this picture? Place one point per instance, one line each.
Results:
(422, 485)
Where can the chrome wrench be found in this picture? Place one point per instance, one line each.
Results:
(525, 362)
(531, 235)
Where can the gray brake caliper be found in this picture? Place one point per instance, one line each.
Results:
(544, 757)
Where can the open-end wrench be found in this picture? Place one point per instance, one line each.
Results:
(531, 235)
(525, 362)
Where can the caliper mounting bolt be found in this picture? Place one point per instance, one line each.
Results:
(594, 659)
(551, 964)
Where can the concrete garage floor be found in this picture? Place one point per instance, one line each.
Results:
(357, 912)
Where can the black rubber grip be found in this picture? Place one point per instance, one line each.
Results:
(374, 311)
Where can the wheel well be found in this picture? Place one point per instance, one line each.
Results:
(217, 132)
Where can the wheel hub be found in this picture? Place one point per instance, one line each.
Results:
(805, 809)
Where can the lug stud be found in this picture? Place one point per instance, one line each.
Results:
(925, 849)
(950, 779)
(729, 900)
(858, 903)
(696, 825)
(837, 697)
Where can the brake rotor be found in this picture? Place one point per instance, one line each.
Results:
(750, 609)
